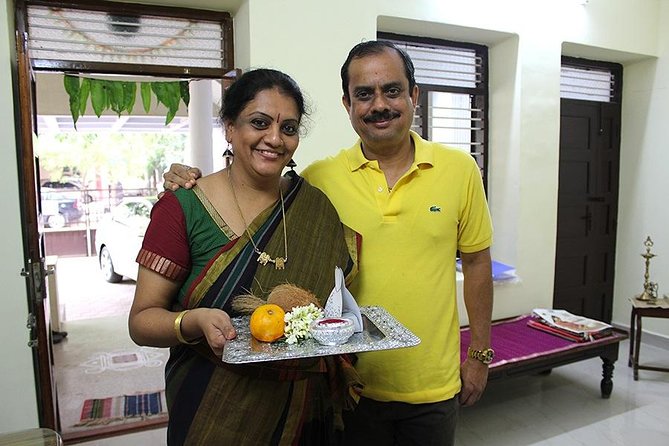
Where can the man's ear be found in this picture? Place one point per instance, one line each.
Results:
(346, 102)
(415, 93)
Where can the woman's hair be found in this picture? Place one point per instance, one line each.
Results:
(249, 84)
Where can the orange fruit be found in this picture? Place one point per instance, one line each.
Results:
(267, 322)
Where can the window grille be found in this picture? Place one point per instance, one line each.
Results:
(452, 77)
(590, 80)
(69, 35)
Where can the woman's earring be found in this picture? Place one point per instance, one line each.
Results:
(228, 156)
(292, 164)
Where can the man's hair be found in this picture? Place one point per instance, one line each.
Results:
(369, 48)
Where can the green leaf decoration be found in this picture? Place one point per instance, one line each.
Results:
(168, 94)
(98, 96)
(185, 92)
(108, 87)
(173, 98)
(145, 91)
(84, 91)
(72, 88)
(129, 95)
(158, 89)
(120, 96)
(115, 95)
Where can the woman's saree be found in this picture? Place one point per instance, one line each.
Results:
(272, 403)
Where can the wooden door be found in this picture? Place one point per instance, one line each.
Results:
(587, 208)
(34, 266)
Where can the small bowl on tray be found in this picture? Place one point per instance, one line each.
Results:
(332, 330)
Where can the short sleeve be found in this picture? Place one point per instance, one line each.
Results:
(165, 248)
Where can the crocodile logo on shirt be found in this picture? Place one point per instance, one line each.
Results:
(435, 208)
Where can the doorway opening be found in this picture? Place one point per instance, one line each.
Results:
(93, 38)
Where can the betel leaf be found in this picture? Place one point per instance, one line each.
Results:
(174, 99)
(98, 96)
(72, 88)
(145, 90)
(158, 89)
(108, 87)
(115, 94)
(129, 95)
(185, 92)
(173, 90)
(168, 94)
(120, 96)
(84, 91)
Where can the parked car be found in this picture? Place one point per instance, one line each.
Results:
(73, 189)
(119, 237)
(59, 209)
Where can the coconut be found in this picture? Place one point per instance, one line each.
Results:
(289, 296)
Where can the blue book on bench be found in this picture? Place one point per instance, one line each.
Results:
(500, 271)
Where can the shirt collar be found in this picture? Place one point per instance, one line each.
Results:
(423, 157)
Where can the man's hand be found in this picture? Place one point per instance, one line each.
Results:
(180, 175)
(474, 376)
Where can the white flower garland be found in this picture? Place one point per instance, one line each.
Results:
(298, 322)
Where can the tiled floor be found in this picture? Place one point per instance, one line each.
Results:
(563, 408)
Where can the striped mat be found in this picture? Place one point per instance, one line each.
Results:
(97, 411)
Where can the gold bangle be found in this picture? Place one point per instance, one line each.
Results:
(177, 329)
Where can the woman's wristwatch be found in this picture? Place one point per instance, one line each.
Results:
(485, 356)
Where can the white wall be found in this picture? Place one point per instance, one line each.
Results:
(310, 40)
(17, 386)
(644, 177)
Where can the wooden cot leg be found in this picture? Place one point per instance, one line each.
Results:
(606, 385)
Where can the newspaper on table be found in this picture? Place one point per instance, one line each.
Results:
(570, 326)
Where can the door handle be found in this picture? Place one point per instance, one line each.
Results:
(597, 199)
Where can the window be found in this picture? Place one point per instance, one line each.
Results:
(453, 80)
(590, 81)
(125, 38)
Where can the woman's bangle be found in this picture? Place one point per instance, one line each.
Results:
(177, 330)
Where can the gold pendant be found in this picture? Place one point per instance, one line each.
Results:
(264, 258)
(279, 263)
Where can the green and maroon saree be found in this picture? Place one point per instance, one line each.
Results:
(272, 403)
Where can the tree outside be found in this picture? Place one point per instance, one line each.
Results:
(102, 160)
(89, 173)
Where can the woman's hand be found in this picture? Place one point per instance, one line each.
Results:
(213, 324)
(180, 175)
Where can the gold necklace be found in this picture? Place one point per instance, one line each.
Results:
(263, 257)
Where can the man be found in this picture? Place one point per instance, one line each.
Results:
(415, 203)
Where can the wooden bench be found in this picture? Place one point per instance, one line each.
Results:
(521, 350)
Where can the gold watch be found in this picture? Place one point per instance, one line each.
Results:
(485, 356)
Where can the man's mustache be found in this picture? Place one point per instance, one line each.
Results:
(385, 115)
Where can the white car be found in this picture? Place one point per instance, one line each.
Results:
(119, 237)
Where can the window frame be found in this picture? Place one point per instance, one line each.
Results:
(479, 95)
(136, 9)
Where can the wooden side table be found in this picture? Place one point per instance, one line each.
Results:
(640, 309)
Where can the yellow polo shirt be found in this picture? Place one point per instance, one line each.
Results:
(407, 259)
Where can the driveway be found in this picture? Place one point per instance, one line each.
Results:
(84, 294)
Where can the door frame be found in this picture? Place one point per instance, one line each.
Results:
(26, 123)
(611, 109)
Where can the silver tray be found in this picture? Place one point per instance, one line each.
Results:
(380, 331)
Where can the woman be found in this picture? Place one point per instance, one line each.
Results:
(242, 229)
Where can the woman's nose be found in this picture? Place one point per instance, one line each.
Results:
(273, 136)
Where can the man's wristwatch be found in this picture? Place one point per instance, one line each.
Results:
(485, 356)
